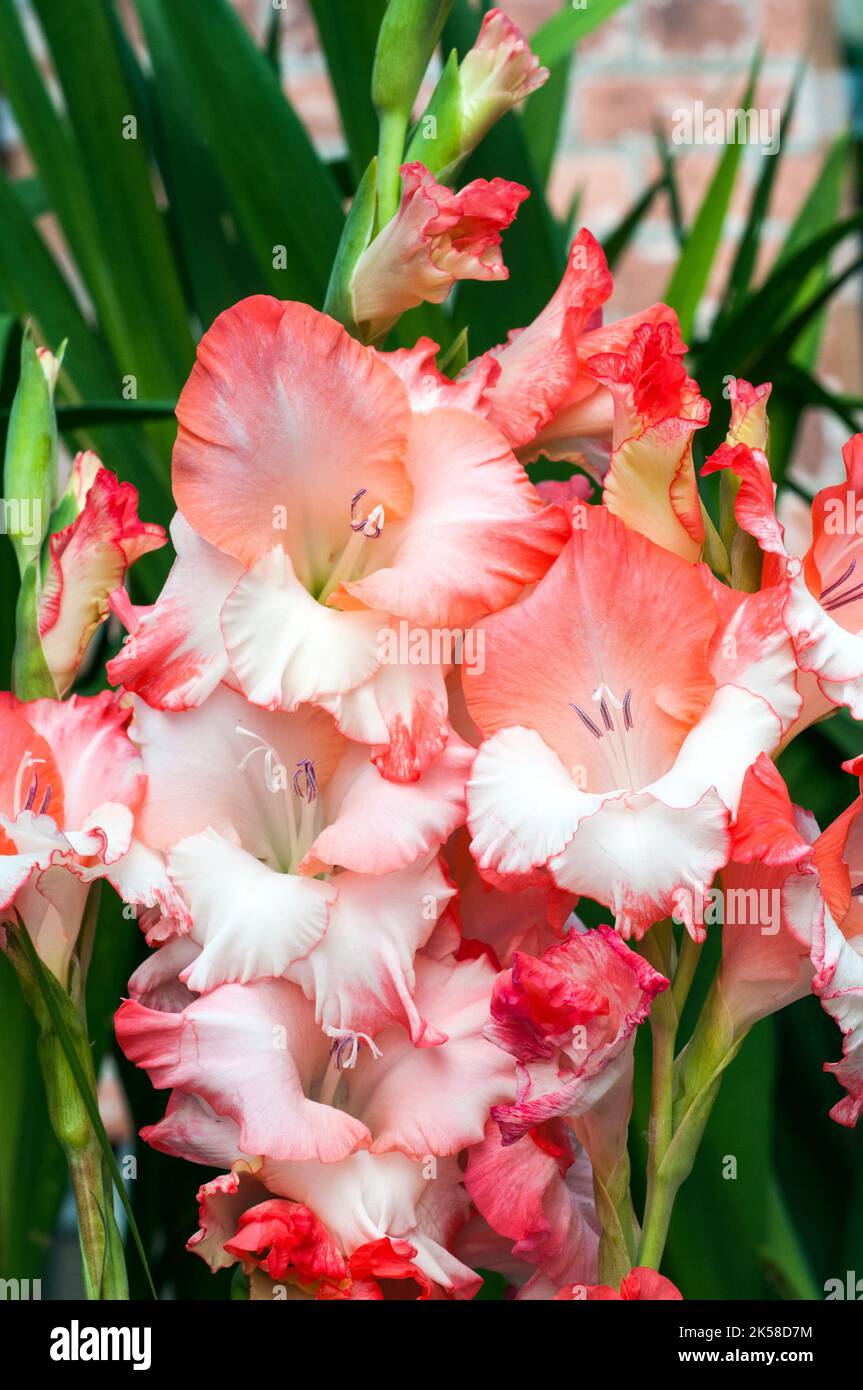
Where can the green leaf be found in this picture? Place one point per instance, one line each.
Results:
(436, 140)
(355, 238)
(669, 166)
(32, 286)
(88, 413)
(31, 678)
(217, 266)
(754, 327)
(542, 116)
(144, 313)
(554, 39)
(32, 1168)
(692, 272)
(57, 158)
(33, 196)
(281, 192)
(749, 244)
(720, 1222)
(59, 1005)
(820, 209)
(456, 356)
(534, 246)
(782, 1255)
(348, 35)
(617, 241)
(790, 332)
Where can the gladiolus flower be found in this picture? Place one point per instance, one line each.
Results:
(70, 795)
(87, 560)
(495, 75)
(254, 1054)
(323, 509)
(291, 1252)
(837, 944)
(280, 811)
(537, 1199)
(570, 1020)
(767, 927)
(541, 391)
(609, 764)
(824, 608)
(436, 238)
(651, 482)
(638, 1286)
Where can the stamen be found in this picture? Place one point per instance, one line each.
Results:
(858, 891)
(627, 710)
(305, 783)
(26, 762)
(46, 801)
(586, 720)
(840, 600)
(346, 1046)
(841, 580)
(31, 795)
(372, 525)
(606, 717)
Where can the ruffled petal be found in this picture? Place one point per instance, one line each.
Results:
(175, 654)
(477, 531)
(248, 1051)
(278, 388)
(87, 560)
(284, 647)
(435, 1100)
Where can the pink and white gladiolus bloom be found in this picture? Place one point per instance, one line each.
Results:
(70, 797)
(87, 560)
(569, 1019)
(496, 74)
(823, 612)
(436, 238)
(319, 508)
(540, 388)
(296, 858)
(606, 766)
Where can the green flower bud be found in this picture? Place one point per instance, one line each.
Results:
(30, 469)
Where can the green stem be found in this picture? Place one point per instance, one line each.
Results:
(391, 146)
(102, 1258)
(101, 1247)
(658, 947)
(618, 1242)
(697, 1075)
(687, 964)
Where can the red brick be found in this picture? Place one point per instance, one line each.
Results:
(312, 95)
(694, 28)
(799, 26)
(604, 180)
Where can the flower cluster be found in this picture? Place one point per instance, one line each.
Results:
(390, 1030)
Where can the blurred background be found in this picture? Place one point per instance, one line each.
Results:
(154, 157)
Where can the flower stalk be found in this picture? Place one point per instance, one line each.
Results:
(684, 1092)
(102, 1258)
